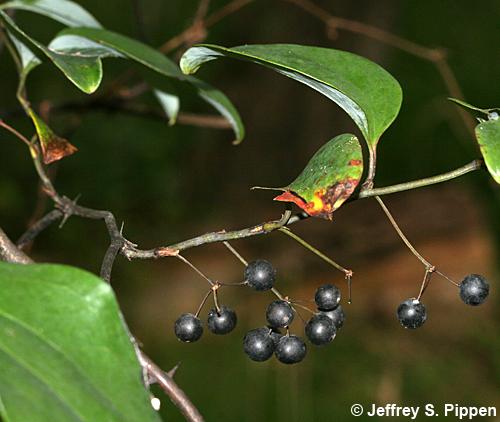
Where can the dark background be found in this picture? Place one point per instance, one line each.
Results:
(171, 183)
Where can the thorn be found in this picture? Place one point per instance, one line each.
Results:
(172, 372)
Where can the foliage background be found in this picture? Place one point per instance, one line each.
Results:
(169, 184)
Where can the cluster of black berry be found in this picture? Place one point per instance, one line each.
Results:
(474, 290)
(261, 343)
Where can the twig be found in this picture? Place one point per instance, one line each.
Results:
(472, 166)
(9, 252)
(173, 391)
(425, 281)
(35, 229)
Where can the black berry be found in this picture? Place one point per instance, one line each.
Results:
(258, 344)
(188, 328)
(260, 275)
(320, 330)
(411, 313)
(327, 297)
(337, 316)
(474, 289)
(221, 322)
(279, 314)
(290, 349)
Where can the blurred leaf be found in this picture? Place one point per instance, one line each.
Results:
(488, 137)
(64, 11)
(363, 89)
(169, 103)
(471, 107)
(156, 61)
(65, 354)
(54, 147)
(84, 72)
(329, 178)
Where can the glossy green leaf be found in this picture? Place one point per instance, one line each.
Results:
(368, 93)
(488, 137)
(154, 60)
(170, 104)
(85, 72)
(28, 60)
(329, 178)
(64, 11)
(64, 351)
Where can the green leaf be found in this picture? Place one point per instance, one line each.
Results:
(84, 72)
(154, 60)
(64, 350)
(64, 11)
(363, 89)
(329, 178)
(488, 137)
(170, 104)
(54, 147)
(28, 60)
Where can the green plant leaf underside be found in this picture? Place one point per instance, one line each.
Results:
(155, 61)
(67, 12)
(329, 178)
(64, 351)
(488, 137)
(363, 89)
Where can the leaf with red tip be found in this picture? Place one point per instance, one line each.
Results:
(53, 147)
(329, 179)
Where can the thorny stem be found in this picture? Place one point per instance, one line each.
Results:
(391, 219)
(306, 245)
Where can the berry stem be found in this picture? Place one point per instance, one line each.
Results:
(306, 245)
(195, 268)
(216, 298)
(235, 253)
(197, 314)
(391, 219)
(303, 307)
(447, 278)
(425, 281)
(277, 293)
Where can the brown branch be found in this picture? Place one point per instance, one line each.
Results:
(9, 252)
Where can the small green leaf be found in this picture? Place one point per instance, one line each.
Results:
(84, 72)
(154, 60)
(368, 93)
(54, 147)
(329, 178)
(65, 354)
(488, 137)
(471, 107)
(64, 11)
(28, 60)
(170, 104)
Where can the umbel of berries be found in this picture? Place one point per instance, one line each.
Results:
(260, 275)
(411, 313)
(222, 321)
(474, 289)
(188, 328)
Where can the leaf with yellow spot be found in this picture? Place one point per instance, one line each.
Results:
(329, 178)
